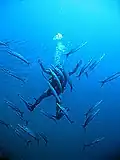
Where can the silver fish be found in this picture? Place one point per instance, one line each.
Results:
(11, 74)
(5, 124)
(14, 107)
(18, 55)
(6, 43)
(29, 132)
(93, 142)
(27, 142)
(23, 119)
(3, 43)
(53, 74)
(92, 109)
(83, 69)
(110, 78)
(94, 65)
(69, 80)
(54, 92)
(75, 49)
(76, 68)
(89, 119)
(52, 89)
(43, 68)
(65, 112)
(48, 115)
(57, 70)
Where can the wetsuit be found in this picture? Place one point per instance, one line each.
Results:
(48, 92)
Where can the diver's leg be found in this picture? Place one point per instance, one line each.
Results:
(46, 94)
(59, 114)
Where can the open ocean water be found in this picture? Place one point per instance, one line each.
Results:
(48, 30)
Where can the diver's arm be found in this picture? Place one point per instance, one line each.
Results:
(76, 68)
(67, 77)
(42, 67)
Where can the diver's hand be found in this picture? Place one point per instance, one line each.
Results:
(39, 61)
(79, 62)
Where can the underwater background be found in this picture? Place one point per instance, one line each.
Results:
(33, 24)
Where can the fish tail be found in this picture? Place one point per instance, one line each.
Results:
(29, 63)
(9, 41)
(28, 142)
(44, 138)
(25, 80)
(71, 121)
(22, 113)
(84, 127)
(27, 122)
(78, 76)
(102, 83)
(8, 125)
(7, 44)
(84, 147)
(66, 55)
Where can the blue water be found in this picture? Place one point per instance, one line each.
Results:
(35, 23)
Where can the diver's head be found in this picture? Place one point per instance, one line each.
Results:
(59, 66)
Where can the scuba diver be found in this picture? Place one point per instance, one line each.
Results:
(57, 84)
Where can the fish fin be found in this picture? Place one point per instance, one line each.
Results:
(45, 139)
(83, 148)
(28, 142)
(67, 109)
(22, 113)
(102, 83)
(25, 80)
(71, 121)
(27, 122)
(66, 55)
